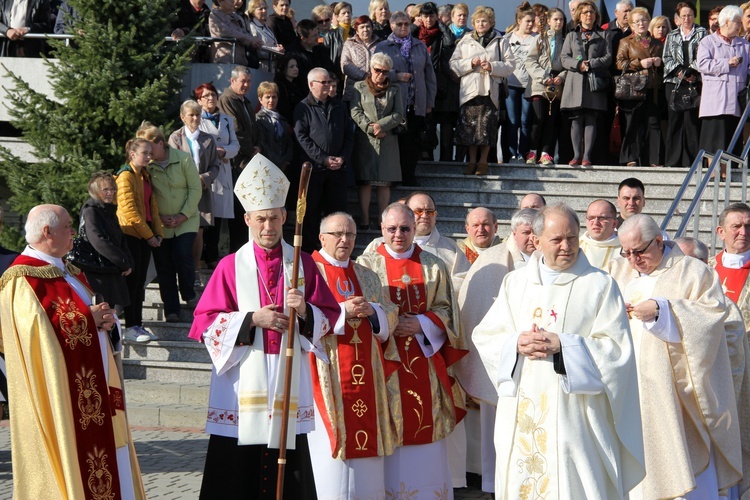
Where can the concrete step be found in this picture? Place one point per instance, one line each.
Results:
(167, 371)
(168, 350)
(147, 392)
(155, 415)
(171, 331)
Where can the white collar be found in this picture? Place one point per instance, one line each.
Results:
(332, 261)
(55, 261)
(735, 260)
(421, 240)
(396, 255)
(547, 274)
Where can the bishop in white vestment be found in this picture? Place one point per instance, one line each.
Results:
(557, 347)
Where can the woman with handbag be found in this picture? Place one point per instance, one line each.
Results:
(723, 60)
(545, 89)
(481, 59)
(377, 110)
(682, 84)
(138, 216)
(99, 228)
(639, 58)
(586, 55)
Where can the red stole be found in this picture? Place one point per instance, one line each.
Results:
(354, 371)
(93, 403)
(732, 280)
(407, 290)
(471, 254)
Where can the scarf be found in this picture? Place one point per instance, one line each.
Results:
(275, 119)
(346, 30)
(726, 39)
(213, 117)
(645, 41)
(429, 35)
(483, 39)
(458, 32)
(195, 148)
(376, 89)
(405, 44)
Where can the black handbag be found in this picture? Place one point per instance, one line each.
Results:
(630, 86)
(684, 97)
(597, 82)
(85, 257)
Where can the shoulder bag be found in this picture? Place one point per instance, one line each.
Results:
(85, 257)
(684, 97)
(630, 86)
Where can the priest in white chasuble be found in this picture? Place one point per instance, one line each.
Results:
(599, 242)
(243, 318)
(69, 432)
(424, 398)
(353, 429)
(557, 348)
(478, 293)
(678, 321)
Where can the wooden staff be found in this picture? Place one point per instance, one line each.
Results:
(301, 208)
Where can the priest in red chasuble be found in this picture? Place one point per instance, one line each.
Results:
(424, 398)
(353, 429)
(69, 432)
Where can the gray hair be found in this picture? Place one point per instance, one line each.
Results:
(240, 70)
(382, 59)
(698, 249)
(324, 222)
(315, 73)
(729, 13)
(444, 10)
(399, 14)
(644, 224)
(39, 217)
(523, 216)
(558, 208)
(624, 3)
(402, 207)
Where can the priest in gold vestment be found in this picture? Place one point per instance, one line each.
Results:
(678, 319)
(353, 427)
(557, 348)
(69, 432)
(425, 400)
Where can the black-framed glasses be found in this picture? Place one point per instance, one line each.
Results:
(380, 71)
(340, 234)
(324, 21)
(324, 82)
(403, 229)
(401, 25)
(636, 253)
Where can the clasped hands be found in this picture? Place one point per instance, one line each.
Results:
(538, 343)
(104, 317)
(358, 307)
(644, 311)
(408, 326)
(484, 65)
(272, 317)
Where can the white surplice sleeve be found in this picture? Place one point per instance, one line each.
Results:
(664, 328)
(432, 337)
(582, 375)
(220, 339)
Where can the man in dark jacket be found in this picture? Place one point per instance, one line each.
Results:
(36, 20)
(192, 18)
(324, 134)
(308, 50)
(233, 102)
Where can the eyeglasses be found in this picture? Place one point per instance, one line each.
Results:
(324, 82)
(379, 71)
(324, 21)
(421, 211)
(109, 190)
(340, 234)
(401, 25)
(208, 95)
(403, 229)
(636, 253)
(588, 13)
(600, 218)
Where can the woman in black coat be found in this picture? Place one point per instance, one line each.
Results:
(100, 227)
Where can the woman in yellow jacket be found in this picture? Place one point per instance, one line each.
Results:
(138, 214)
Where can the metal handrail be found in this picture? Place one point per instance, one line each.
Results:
(703, 178)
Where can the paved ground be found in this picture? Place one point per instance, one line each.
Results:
(171, 461)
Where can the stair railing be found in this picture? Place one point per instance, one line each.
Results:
(708, 185)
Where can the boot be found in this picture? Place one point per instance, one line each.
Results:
(470, 168)
(482, 168)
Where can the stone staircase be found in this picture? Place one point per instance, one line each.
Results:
(167, 379)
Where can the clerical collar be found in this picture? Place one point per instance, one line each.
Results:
(332, 261)
(735, 260)
(547, 274)
(421, 240)
(396, 255)
(55, 261)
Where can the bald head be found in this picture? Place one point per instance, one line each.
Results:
(532, 200)
(481, 226)
(693, 248)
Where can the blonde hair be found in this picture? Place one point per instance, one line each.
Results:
(375, 5)
(460, 6)
(95, 183)
(579, 10)
(486, 12)
(190, 105)
(134, 144)
(252, 5)
(638, 10)
(150, 132)
(267, 88)
(319, 11)
(658, 20)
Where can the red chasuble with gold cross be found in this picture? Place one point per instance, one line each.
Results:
(350, 391)
(427, 407)
(732, 280)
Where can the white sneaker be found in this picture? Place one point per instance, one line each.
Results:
(138, 334)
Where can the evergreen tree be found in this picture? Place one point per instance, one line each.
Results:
(117, 72)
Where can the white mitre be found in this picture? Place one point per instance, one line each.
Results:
(261, 185)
